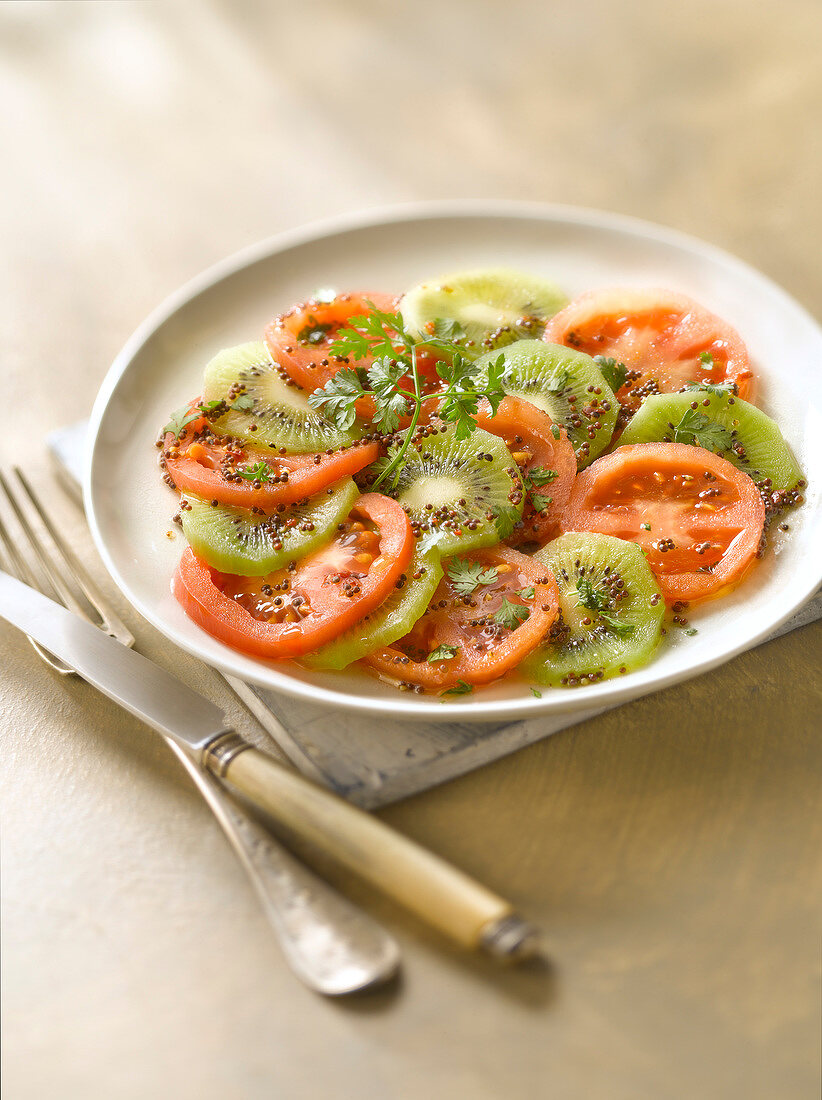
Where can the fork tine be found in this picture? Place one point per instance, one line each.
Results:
(60, 586)
(23, 570)
(110, 621)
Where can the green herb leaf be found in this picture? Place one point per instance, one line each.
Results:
(706, 358)
(506, 517)
(535, 693)
(460, 688)
(615, 625)
(555, 431)
(338, 396)
(243, 403)
(527, 593)
(590, 595)
(180, 420)
(700, 431)
(614, 372)
(442, 653)
(209, 406)
(538, 477)
(511, 615)
(448, 329)
(314, 332)
(259, 472)
(720, 389)
(466, 576)
(559, 381)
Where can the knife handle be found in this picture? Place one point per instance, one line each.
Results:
(435, 891)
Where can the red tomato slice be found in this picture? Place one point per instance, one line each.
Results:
(527, 433)
(295, 610)
(663, 338)
(221, 469)
(489, 628)
(300, 341)
(698, 519)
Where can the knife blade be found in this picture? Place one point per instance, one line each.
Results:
(438, 893)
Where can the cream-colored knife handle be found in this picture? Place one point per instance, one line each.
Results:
(437, 892)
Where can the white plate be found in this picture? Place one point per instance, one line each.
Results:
(161, 367)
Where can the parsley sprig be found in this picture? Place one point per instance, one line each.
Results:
(510, 614)
(700, 431)
(394, 351)
(260, 471)
(467, 576)
(614, 372)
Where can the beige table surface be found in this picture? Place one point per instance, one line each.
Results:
(671, 848)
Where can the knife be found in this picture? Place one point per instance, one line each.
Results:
(432, 889)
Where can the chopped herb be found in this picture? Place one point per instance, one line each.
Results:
(245, 403)
(442, 653)
(539, 476)
(314, 332)
(614, 372)
(559, 381)
(555, 431)
(720, 389)
(506, 517)
(511, 615)
(449, 329)
(540, 503)
(460, 688)
(535, 693)
(259, 472)
(180, 420)
(700, 431)
(645, 526)
(526, 593)
(209, 406)
(706, 358)
(467, 576)
(595, 599)
(615, 624)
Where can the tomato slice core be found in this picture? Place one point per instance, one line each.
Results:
(698, 518)
(295, 610)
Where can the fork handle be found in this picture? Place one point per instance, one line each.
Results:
(435, 891)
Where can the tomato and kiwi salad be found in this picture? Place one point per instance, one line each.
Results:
(305, 604)
(653, 341)
(473, 480)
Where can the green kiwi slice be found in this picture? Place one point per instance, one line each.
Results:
(722, 423)
(265, 407)
(237, 540)
(610, 611)
(460, 494)
(564, 383)
(483, 309)
(389, 622)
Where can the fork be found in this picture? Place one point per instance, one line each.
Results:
(333, 946)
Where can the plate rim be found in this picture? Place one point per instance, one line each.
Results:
(372, 218)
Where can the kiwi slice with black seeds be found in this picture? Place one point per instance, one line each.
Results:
(389, 622)
(460, 494)
(265, 407)
(482, 310)
(564, 383)
(251, 544)
(610, 611)
(722, 423)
